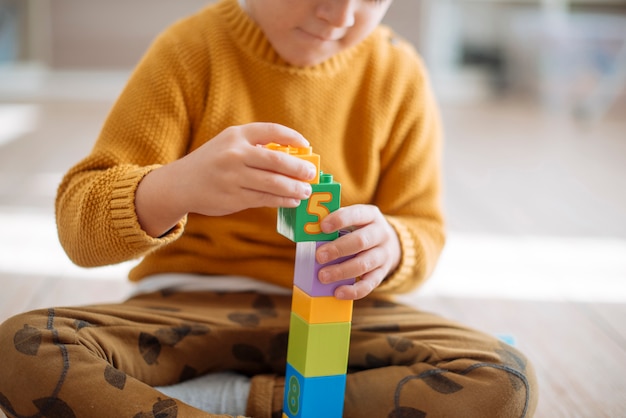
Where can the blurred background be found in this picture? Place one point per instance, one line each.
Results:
(533, 97)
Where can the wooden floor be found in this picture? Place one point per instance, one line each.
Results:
(537, 216)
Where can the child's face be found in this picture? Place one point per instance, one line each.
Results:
(307, 32)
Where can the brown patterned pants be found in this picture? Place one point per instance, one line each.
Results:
(103, 361)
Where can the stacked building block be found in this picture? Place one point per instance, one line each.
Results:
(319, 330)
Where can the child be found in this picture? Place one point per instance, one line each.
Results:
(179, 177)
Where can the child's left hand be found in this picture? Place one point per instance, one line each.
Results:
(374, 244)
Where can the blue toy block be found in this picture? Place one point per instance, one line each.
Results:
(507, 338)
(303, 222)
(313, 397)
(307, 269)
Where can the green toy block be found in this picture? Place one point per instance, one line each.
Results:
(318, 349)
(302, 223)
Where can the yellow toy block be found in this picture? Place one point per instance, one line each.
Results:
(320, 309)
(306, 153)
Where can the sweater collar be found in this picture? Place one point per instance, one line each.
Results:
(251, 39)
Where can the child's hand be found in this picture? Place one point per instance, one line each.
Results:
(230, 173)
(374, 243)
(227, 174)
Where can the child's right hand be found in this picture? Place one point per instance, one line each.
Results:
(227, 174)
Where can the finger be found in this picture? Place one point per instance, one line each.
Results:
(361, 288)
(274, 183)
(263, 133)
(358, 266)
(255, 198)
(282, 163)
(353, 243)
(348, 217)
(278, 186)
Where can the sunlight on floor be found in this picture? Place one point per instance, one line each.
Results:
(537, 268)
(532, 267)
(29, 246)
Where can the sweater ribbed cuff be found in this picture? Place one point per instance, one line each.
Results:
(124, 215)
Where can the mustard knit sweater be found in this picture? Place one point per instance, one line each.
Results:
(367, 111)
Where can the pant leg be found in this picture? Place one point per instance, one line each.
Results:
(406, 363)
(403, 363)
(103, 361)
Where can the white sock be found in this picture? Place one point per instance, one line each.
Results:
(217, 393)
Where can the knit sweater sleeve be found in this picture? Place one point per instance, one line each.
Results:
(149, 126)
(409, 190)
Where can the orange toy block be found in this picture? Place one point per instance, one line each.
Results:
(306, 153)
(320, 309)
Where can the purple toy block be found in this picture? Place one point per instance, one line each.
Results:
(307, 269)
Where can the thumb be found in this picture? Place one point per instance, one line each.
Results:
(264, 133)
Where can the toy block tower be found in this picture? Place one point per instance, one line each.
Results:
(319, 329)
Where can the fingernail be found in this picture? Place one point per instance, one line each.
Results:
(308, 190)
(322, 256)
(311, 174)
(324, 277)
